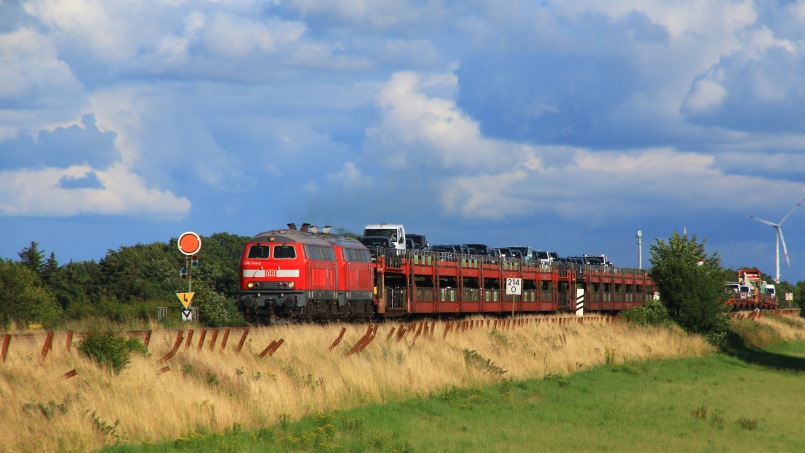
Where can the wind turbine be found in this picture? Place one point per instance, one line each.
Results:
(779, 238)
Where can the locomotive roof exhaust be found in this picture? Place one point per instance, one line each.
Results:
(312, 228)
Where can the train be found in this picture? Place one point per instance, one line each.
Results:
(750, 292)
(306, 274)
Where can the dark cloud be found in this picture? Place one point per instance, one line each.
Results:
(545, 98)
(88, 181)
(63, 147)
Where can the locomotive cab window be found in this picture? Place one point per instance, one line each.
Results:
(284, 251)
(259, 251)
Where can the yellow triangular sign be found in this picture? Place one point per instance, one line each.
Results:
(185, 298)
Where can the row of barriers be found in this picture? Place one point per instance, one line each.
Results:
(210, 337)
(417, 329)
(755, 314)
(144, 335)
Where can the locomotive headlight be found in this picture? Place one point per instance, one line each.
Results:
(250, 285)
(290, 285)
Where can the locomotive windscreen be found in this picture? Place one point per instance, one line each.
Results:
(284, 251)
(259, 251)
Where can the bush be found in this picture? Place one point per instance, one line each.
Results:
(24, 299)
(691, 286)
(652, 313)
(216, 310)
(110, 350)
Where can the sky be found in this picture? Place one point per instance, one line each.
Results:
(567, 125)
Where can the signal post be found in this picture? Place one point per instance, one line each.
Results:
(189, 244)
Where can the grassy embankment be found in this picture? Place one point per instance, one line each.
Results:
(217, 398)
(712, 403)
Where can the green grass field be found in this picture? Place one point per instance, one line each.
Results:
(750, 400)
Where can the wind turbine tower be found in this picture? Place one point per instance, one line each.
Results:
(779, 238)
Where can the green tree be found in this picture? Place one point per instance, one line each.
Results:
(799, 297)
(23, 298)
(78, 289)
(218, 262)
(33, 258)
(51, 269)
(215, 309)
(141, 272)
(652, 313)
(691, 286)
(129, 282)
(780, 290)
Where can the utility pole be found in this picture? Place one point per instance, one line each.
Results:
(639, 249)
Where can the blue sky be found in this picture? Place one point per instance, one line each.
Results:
(566, 125)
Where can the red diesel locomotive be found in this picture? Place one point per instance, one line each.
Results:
(297, 274)
(302, 274)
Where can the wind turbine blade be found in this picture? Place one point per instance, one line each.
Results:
(791, 211)
(782, 239)
(763, 221)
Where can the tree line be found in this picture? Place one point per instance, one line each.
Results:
(130, 282)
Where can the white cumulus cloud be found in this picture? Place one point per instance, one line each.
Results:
(480, 177)
(421, 131)
(706, 94)
(41, 193)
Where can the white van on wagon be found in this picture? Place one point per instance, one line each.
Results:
(393, 231)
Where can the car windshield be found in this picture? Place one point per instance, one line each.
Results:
(380, 232)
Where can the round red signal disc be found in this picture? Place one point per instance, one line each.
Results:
(189, 243)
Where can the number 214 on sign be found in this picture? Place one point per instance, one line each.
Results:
(513, 286)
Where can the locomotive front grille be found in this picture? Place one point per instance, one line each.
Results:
(271, 285)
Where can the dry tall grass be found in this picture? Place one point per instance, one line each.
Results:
(208, 390)
(768, 329)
